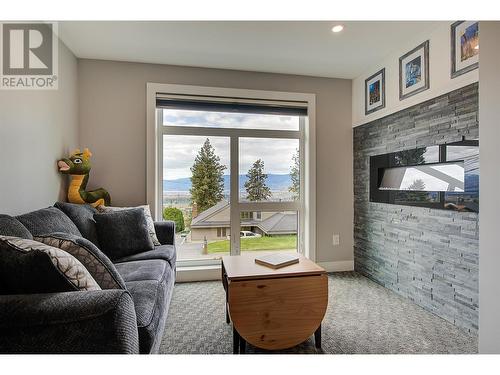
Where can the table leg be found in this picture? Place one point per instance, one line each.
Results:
(236, 341)
(317, 337)
(243, 345)
(224, 283)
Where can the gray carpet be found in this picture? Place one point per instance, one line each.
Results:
(362, 317)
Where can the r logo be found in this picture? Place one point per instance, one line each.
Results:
(27, 49)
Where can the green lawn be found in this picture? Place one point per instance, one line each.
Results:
(256, 244)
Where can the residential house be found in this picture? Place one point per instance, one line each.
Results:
(214, 223)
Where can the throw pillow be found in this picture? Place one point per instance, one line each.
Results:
(28, 266)
(48, 220)
(122, 233)
(83, 217)
(95, 261)
(10, 226)
(147, 213)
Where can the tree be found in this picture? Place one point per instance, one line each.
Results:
(256, 187)
(174, 214)
(295, 176)
(416, 192)
(417, 185)
(207, 180)
(409, 157)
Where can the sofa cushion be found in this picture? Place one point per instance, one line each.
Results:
(10, 226)
(28, 266)
(48, 220)
(95, 261)
(83, 217)
(123, 233)
(140, 270)
(151, 300)
(147, 213)
(165, 252)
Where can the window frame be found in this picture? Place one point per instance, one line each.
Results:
(306, 206)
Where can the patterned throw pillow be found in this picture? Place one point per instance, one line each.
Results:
(29, 266)
(147, 213)
(95, 261)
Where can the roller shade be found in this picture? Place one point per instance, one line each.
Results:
(284, 109)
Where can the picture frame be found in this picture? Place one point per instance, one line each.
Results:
(414, 71)
(464, 37)
(375, 92)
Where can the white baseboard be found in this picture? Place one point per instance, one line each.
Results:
(205, 273)
(340, 266)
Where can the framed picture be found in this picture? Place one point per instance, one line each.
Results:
(414, 71)
(375, 92)
(464, 47)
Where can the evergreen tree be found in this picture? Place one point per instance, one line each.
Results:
(417, 185)
(207, 180)
(409, 157)
(295, 176)
(256, 187)
(174, 214)
(417, 193)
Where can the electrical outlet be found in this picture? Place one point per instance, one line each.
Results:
(336, 240)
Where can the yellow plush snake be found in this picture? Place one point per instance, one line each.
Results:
(78, 167)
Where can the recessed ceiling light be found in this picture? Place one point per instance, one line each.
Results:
(337, 28)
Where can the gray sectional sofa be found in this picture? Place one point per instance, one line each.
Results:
(130, 320)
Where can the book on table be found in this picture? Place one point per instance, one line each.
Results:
(278, 260)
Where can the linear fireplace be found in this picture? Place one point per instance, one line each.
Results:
(443, 176)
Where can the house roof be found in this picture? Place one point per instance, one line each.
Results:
(201, 219)
(279, 223)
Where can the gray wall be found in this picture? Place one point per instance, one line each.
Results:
(37, 128)
(113, 125)
(427, 255)
(489, 103)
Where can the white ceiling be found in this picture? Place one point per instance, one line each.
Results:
(298, 47)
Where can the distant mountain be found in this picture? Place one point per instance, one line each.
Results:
(276, 182)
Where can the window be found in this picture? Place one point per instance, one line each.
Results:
(221, 232)
(270, 168)
(232, 165)
(246, 215)
(426, 177)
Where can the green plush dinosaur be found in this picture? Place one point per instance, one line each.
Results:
(78, 167)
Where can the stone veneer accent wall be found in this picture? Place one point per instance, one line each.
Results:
(427, 255)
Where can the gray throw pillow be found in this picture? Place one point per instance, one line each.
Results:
(83, 217)
(48, 220)
(10, 226)
(149, 219)
(123, 233)
(95, 261)
(28, 266)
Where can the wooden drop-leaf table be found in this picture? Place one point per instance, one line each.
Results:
(274, 309)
